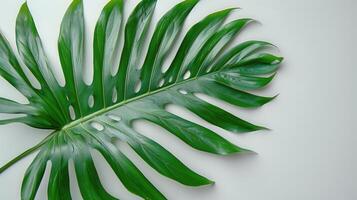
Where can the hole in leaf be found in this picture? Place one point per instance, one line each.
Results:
(161, 83)
(91, 101)
(97, 126)
(187, 75)
(137, 87)
(72, 113)
(114, 117)
(115, 95)
(183, 91)
(171, 79)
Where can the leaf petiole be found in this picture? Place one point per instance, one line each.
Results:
(26, 153)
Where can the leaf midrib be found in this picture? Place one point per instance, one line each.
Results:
(107, 109)
(93, 115)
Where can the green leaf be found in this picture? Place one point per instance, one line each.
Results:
(33, 176)
(164, 37)
(243, 99)
(12, 72)
(242, 82)
(71, 52)
(87, 118)
(260, 64)
(210, 112)
(126, 171)
(86, 173)
(12, 107)
(135, 34)
(156, 156)
(106, 38)
(31, 51)
(192, 134)
(196, 37)
(213, 47)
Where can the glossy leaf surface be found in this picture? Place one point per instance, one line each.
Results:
(91, 117)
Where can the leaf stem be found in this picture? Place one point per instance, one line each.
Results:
(26, 153)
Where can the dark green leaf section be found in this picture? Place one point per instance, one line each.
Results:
(33, 176)
(75, 145)
(237, 53)
(59, 155)
(106, 38)
(164, 37)
(213, 47)
(88, 180)
(71, 52)
(155, 155)
(126, 171)
(10, 107)
(32, 53)
(213, 114)
(88, 117)
(192, 134)
(242, 82)
(12, 72)
(260, 64)
(135, 35)
(196, 37)
(215, 89)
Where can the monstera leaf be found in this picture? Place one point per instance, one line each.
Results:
(91, 117)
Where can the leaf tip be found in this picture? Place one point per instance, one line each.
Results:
(24, 5)
(277, 95)
(244, 151)
(208, 182)
(211, 182)
(24, 9)
(251, 20)
(281, 59)
(229, 10)
(191, 2)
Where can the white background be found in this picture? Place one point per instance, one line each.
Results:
(310, 153)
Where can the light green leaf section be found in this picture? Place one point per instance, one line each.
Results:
(91, 117)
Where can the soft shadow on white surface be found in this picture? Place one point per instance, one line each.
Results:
(310, 152)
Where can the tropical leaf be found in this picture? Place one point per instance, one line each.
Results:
(89, 117)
